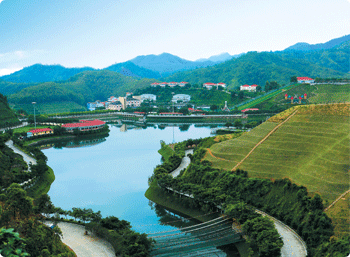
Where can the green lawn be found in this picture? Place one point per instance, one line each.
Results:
(331, 94)
(312, 149)
(340, 216)
(29, 127)
(50, 108)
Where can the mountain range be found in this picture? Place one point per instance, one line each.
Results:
(54, 83)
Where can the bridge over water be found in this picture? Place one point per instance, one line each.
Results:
(197, 240)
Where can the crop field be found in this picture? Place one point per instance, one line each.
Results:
(331, 94)
(312, 149)
(52, 108)
(340, 215)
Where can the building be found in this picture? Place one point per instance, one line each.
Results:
(250, 109)
(112, 99)
(182, 83)
(93, 105)
(305, 80)
(39, 132)
(181, 97)
(116, 106)
(147, 97)
(84, 125)
(211, 85)
(249, 88)
(155, 84)
(172, 84)
(132, 102)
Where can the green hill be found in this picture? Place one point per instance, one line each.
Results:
(7, 116)
(132, 70)
(311, 148)
(84, 87)
(257, 68)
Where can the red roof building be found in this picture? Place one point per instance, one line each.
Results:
(250, 109)
(39, 132)
(305, 80)
(84, 125)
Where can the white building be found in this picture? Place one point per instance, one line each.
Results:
(211, 85)
(305, 80)
(250, 88)
(116, 106)
(181, 97)
(112, 99)
(148, 97)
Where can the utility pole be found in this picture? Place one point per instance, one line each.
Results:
(34, 114)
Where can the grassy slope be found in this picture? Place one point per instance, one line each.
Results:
(340, 214)
(311, 149)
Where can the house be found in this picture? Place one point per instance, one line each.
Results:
(163, 84)
(84, 125)
(155, 84)
(116, 106)
(249, 88)
(39, 132)
(221, 85)
(209, 85)
(181, 97)
(172, 84)
(305, 80)
(182, 83)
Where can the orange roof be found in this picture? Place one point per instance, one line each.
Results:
(84, 123)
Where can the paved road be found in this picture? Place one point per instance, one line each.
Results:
(293, 245)
(26, 157)
(184, 163)
(84, 245)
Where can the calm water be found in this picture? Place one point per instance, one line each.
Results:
(111, 173)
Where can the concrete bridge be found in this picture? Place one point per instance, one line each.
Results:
(197, 240)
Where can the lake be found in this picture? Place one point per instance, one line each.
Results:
(111, 174)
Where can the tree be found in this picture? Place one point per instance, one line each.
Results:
(237, 123)
(293, 79)
(228, 124)
(213, 107)
(17, 202)
(240, 94)
(11, 244)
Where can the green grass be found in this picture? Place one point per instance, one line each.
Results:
(43, 185)
(312, 149)
(29, 127)
(50, 108)
(264, 98)
(340, 215)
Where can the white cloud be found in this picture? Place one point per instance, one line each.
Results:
(8, 71)
(19, 55)
(1, 1)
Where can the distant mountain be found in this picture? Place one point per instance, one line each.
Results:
(322, 46)
(220, 58)
(43, 73)
(132, 70)
(166, 63)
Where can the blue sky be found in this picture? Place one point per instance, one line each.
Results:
(76, 33)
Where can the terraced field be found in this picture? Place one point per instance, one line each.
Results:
(312, 149)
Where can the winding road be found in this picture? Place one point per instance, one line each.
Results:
(28, 159)
(293, 245)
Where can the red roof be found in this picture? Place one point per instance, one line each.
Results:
(139, 112)
(40, 130)
(183, 82)
(250, 109)
(254, 85)
(170, 113)
(84, 123)
(221, 84)
(304, 78)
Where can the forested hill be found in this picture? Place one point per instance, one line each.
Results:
(7, 116)
(82, 88)
(132, 70)
(43, 73)
(257, 68)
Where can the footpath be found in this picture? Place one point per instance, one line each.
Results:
(293, 245)
(83, 245)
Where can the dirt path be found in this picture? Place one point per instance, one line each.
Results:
(212, 155)
(336, 200)
(84, 245)
(262, 140)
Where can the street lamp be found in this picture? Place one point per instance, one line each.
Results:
(34, 114)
